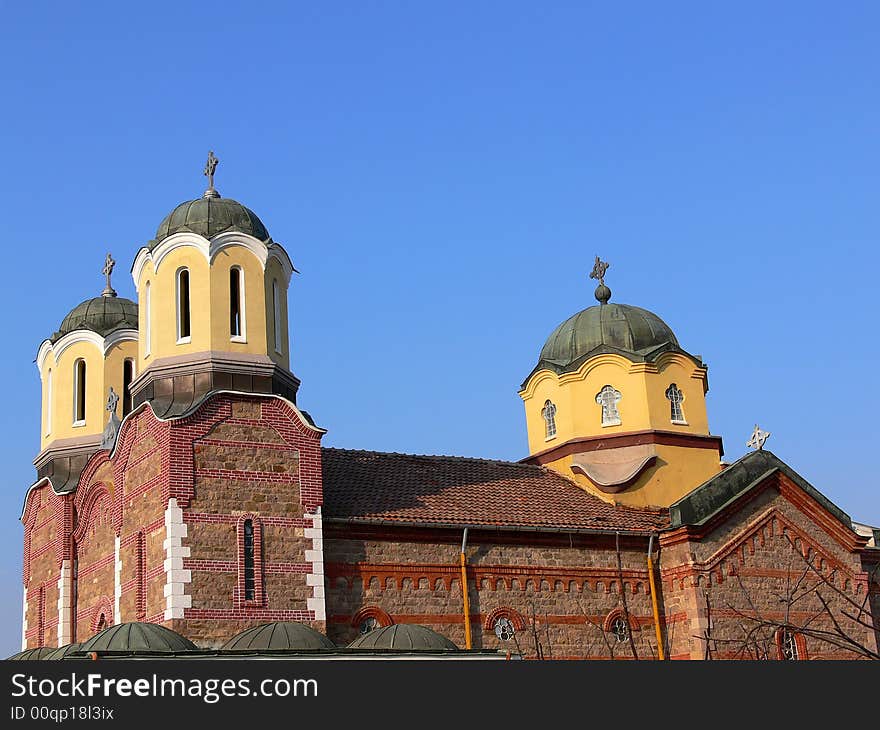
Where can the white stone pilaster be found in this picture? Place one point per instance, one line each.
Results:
(315, 556)
(176, 578)
(65, 591)
(117, 582)
(24, 607)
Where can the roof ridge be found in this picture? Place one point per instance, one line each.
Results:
(432, 456)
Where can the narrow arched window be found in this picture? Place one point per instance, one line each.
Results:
(236, 303)
(676, 398)
(608, 398)
(549, 414)
(49, 402)
(790, 645)
(147, 327)
(127, 377)
(249, 583)
(79, 392)
(183, 307)
(276, 317)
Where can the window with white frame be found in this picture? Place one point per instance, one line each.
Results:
(127, 377)
(183, 307)
(147, 327)
(549, 414)
(236, 304)
(79, 392)
(49, 402)
(676, 398)
(276, 314)
(608, 398)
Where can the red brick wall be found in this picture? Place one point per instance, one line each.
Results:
(734, 580)
(251, 459)
(44, 549)
(570, 590)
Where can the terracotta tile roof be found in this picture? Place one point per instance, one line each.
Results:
(371, 486)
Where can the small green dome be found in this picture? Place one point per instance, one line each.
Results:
(102, 315)
(207, 216)
(137, 636)
(403, 637)
(279, 635)
(63, 651)
(42, 652)
(630, 331)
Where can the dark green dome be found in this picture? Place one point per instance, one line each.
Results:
(207, 216)
(279, 635)
(63, 651)
(102, 315)
(42, 652)
(137, 636)
(403, 637)
(630, 331)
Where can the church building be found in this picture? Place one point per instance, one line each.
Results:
(179, 484)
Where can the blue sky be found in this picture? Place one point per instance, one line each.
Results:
(443, 176)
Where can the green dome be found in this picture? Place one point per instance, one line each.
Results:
(63, 651)
(630, 331)
(280, 635)
(403, 637)
(42, 652)
(137, 636)
(208, 216)
(102, 315)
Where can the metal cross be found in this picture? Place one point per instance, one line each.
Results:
(758, 438)
(109, 263)
(599, 269)
(210, 166)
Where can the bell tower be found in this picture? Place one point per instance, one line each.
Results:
(616, 404)
(212, 290)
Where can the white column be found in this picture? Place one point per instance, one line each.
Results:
(176, 578)
(24, 607)
(65, 590)
(315, 556)
(117, 583)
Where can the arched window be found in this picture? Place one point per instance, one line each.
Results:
(249, 582)
(676, 398)
(49, 402)
(101, 624)
(79, 392)
(249, 589)
(147, 327)
(504, 628)
(549, 414)
(620, 629)
(236, 304)
(183, 307)
(369, 618)
(127, 377)
(276, 314)
(790, 645)
(608, 398)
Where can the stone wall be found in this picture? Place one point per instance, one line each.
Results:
(733, 585)
(560, 594)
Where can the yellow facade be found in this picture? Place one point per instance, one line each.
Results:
(102, 371)
(676, 471)
(210, 301)
(643, 406)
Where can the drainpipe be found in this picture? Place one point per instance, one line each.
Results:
(464, 594)
(653, 597)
